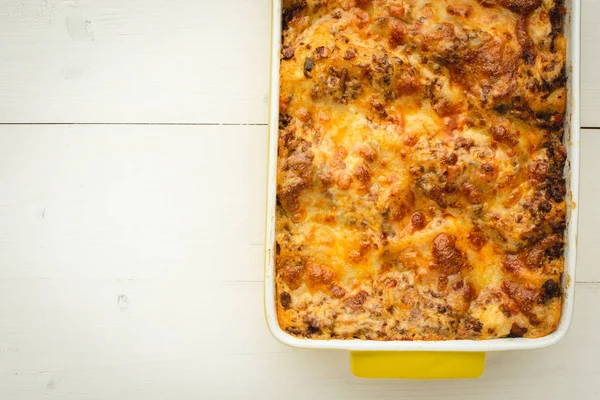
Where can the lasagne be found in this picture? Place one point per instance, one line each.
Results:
(420, 187)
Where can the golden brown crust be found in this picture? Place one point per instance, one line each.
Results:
(420, 170)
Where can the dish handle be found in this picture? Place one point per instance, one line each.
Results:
(417, 364)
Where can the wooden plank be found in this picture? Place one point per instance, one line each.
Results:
(159, 202)
(190, 339)
(589, 218)
(590, 57)
(160, 61)
(143, 202)
(134, 61)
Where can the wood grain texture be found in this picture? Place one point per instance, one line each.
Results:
(134, 61)
(125, 202)
(131, 268)
(162, 61)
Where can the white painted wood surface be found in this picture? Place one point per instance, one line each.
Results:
(129, 272)
(134, 61)
(590, 57)
(131, 258)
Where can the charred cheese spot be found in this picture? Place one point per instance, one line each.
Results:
(418, 220)
(447, 256)
(420, 187)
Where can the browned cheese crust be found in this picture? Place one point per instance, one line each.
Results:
(420, 189)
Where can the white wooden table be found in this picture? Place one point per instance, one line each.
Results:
(132, 195)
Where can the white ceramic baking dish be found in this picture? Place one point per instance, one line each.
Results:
(431, 359)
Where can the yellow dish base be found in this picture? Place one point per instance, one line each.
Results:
(417, 364)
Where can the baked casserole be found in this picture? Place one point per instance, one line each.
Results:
(420, 185)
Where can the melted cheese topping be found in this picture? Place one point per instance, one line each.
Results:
(420, 170)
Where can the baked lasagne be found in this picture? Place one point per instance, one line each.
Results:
(420, 188)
